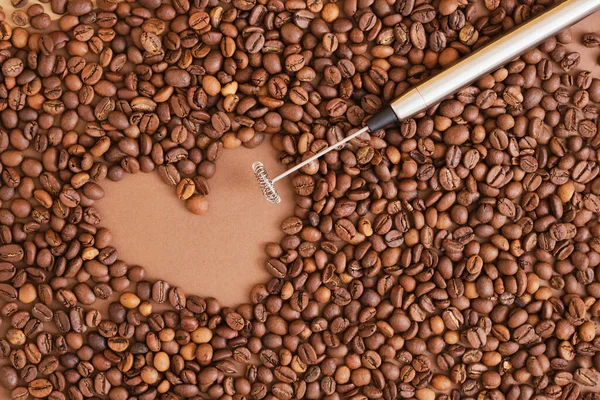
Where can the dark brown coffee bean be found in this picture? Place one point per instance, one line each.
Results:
(177, 298)
(11, 253)
(235, 321)
(8, 377)
(276, 268)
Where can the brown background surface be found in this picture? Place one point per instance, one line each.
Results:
(221, 253)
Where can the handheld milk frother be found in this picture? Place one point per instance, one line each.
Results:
(455, 77)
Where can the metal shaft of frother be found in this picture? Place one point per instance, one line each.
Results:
(320, 154)
(435, 89)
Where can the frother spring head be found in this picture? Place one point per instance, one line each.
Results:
(266, 185)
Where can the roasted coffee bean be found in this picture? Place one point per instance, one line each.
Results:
(40, 388)
(8, 377)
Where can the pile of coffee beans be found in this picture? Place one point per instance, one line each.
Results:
(455, 256)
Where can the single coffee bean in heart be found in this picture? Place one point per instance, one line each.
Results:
(455, 255)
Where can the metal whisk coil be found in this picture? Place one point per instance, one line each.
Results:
(266, 185)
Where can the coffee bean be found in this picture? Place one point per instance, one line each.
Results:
(177, 298)
(8, 377)
(7, 271)
(40, 388)
(8, 292)
(234, 321)
(198, 204)
(276, 268)
(11, 253)
(586, 377)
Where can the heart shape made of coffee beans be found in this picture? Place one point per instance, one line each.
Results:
(455, 255)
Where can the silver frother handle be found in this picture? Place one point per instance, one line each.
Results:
(485, 60)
